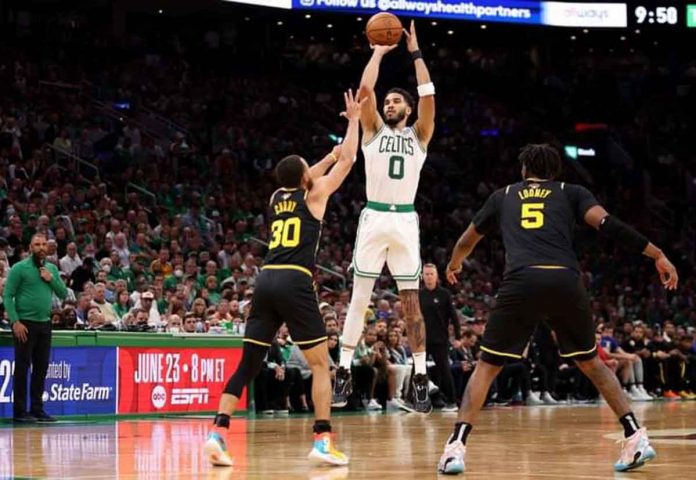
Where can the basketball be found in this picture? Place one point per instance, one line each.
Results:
(384, 29)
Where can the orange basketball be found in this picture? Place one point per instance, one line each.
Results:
(384, 29)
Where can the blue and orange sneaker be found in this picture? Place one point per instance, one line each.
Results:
(216, 451)
(324, 451)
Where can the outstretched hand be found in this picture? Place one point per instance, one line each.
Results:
(411, 38)
(452, 271)
(668, 274)
(353, 106)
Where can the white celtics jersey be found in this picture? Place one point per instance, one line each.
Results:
(393, 162)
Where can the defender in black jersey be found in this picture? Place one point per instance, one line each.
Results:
(542, 282)
(284, 290)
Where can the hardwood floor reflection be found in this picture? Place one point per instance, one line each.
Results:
(526, 442)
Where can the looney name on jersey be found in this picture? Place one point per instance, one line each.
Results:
(284, 206)
(396, 144)
(533, 193)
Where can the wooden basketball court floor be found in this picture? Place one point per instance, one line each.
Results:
(565, 442)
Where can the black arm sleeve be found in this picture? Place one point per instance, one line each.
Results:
(626, 235)
(581, 199)
(454, 318)
(486, 219)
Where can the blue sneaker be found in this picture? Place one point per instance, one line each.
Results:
(216, 451)
(324, 451)
(635, 451)
(452, 461)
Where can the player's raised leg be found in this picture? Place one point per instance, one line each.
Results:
(368, 260)
(352, 329)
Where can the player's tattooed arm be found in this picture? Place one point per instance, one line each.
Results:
(415, 326)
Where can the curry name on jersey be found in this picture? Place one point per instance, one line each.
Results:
(393, 162)
(537, 220)
(294, 231)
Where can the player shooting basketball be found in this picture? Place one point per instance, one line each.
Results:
(388, 228)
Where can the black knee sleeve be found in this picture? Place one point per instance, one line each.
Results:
(249, 367)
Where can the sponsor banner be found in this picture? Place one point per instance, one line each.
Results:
(265, 3)
(80, 380)
(563, 14)
(154, 380)
(510, 11)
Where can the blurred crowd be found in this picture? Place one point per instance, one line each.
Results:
(149, 168)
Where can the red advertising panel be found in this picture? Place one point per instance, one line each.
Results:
(158, 380)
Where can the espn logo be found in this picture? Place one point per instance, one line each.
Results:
(189, 396)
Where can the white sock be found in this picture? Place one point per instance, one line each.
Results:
(355, 319)
(346, 357)
(419, 362)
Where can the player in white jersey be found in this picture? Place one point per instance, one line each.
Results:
(388, 229)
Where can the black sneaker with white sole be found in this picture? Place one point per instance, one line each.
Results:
(24, 418)
(43, 417)
(343, 387)
(419, 394)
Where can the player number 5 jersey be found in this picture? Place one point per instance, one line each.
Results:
(393, 162)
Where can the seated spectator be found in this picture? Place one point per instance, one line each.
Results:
(400, 370)
(363, 370)
(95, 319)
(105, 307)
(463, 362)
(174, 323)
(198, 309)
(123, 304)
(189, 323)
(138, 321)
(664, 366)
(630, 365)
(147, 303)
(635, 344)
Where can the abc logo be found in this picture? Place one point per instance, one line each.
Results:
(159, 396)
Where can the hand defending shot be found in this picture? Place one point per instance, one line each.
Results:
(353, 106)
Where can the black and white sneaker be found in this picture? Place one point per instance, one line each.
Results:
(343, 387)
(419, 394)
(24, 418)
(43, 417)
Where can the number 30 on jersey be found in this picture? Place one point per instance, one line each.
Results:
(286, 233)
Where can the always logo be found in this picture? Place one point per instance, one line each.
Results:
(592, 14)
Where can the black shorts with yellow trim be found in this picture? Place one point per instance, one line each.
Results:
(529, 296)
(285, 294)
